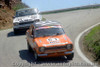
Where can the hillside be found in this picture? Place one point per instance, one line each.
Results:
(7, 12)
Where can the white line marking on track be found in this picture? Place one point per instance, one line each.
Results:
(78, 48)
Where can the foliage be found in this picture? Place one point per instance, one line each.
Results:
(43, 19)
(4, 10)
(92, 41)
(19, 6)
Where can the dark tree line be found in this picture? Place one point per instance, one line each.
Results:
(9, 3)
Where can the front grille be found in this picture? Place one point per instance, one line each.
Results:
(54, 48)
(22, 23)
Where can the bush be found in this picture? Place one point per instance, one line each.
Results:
(4, 11)
(19, 6)
(92, 41)
(43, 19)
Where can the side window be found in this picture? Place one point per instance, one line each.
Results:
(30, 30)
(16, 14)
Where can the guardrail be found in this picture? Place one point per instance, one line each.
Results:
(71, 9)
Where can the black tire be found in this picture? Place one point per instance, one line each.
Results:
(70, 57)
(29, 48)
(36, 57)
(15, 31)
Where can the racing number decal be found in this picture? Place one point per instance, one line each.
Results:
(53, 40)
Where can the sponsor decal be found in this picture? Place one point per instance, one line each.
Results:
(53, 40)
(55, 44)
(58, 26)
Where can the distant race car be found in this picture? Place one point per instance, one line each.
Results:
(48, 39)
(24, 18)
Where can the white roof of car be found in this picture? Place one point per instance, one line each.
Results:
(45, 23)
(26, 9)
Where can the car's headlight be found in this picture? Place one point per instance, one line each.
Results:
(69, 46)
(16, 23)
(42, 49)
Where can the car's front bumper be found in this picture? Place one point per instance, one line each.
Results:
(56, 54)
(22, 26)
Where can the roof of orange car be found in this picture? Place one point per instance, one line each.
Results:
(45, 23)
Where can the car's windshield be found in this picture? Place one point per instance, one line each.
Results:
(48, 32)
(26, 12)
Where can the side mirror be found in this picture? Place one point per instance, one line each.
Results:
(13, 16)
(39, 12)
(32, 36)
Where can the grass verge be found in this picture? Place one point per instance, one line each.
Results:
(92, 42)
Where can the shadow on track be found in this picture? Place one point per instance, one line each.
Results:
(25, 55)
(11, 34)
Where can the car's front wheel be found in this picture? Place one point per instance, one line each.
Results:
(15, 31)
(70, 57)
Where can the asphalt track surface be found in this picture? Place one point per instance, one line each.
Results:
(13, 48)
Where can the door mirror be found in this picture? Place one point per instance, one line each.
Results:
(13, 16)
(32, 36)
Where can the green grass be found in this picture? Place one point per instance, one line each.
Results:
(92, 41)
(43, 19)
(18, 6)
(4, 11)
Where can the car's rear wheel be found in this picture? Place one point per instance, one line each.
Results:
(70, 57)
(29, 48)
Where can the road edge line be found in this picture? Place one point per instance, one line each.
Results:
(77, 47)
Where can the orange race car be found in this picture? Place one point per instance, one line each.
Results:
(47, 39)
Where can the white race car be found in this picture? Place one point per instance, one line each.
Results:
(24, 18)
